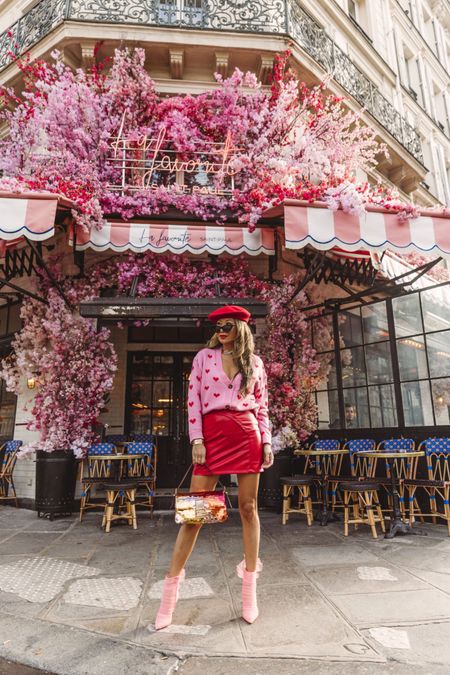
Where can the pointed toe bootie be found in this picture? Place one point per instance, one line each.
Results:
(169, 600)
(249, 603)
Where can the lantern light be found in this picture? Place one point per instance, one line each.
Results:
(31, 382)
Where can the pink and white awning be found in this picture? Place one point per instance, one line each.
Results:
(29, 214)
(162, 237)
(376, 229)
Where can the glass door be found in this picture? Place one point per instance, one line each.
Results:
(157, 385)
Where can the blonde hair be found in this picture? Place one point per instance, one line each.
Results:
(243, 350)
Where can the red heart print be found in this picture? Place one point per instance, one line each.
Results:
(207, 370)
(206, 405)
(191, 403)
(258, 395)
(191, 386)
(209, 356)
(216, 395)
(245, 405)
(239, 396)
(206, 387)
(193, 420)
(216, 379)
(198, 378)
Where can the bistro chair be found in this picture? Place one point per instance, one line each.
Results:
(361, 493)
(304, 503)
(143, 469)
(361, 466)
(436, 486)
(97, 467)
(361, 496)
(326, 467)
(125, 492)
(405, 467)
(9, 458)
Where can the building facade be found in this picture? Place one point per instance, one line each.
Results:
(388, 58)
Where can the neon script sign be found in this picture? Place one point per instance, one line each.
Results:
(151, 163)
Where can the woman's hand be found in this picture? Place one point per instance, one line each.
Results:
(268, 456)
(198, 453)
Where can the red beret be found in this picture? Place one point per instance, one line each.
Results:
(230, 312)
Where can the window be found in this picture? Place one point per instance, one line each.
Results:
(185, 12)
(414, 78)
(422, 328)
(352, 9)
(439, 107)
(366, 373)
(326, 394)
(393, 363)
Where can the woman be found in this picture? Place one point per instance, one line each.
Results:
(230, 433)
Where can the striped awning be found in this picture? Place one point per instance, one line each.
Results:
(29, 214)
(374, 230)
(161, 237)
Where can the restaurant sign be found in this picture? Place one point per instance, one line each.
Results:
(151, 163)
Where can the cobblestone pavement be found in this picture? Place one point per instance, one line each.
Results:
(78, 601)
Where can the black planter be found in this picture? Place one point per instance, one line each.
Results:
(56, 474)
(270, 493)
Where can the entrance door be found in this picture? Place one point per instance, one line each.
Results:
(157, 385)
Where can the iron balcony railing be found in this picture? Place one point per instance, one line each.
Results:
(279, 17)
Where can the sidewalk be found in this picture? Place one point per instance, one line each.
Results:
(75, 600)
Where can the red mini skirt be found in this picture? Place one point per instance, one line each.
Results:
(233, 443)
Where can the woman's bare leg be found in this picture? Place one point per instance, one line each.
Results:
(187, 536)
(248, 508)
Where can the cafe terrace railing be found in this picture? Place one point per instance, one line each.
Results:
(275, 17)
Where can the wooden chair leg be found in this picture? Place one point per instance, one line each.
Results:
(109, 509)
(433, 505)
(369, 511)
(308, 505)
(377, 504)
(132, 502)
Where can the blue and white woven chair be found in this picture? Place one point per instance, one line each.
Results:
(328, 466)
(360, 493)
(9, 457)
(144, 469)
(436, 486)
(97, 467)
(406, 467)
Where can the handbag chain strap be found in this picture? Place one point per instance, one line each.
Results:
(189, 468)
(219, 481)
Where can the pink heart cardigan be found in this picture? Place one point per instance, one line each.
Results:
(211, 389)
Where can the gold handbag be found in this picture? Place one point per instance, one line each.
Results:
(200, 508)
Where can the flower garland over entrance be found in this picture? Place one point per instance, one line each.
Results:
(74, 364)
(106, 139)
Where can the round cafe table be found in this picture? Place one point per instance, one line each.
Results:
(398, 526)
(324, 465)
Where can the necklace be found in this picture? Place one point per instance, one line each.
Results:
(227, 353)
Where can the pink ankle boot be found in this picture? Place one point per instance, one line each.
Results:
(168, 600)
(249, 604)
